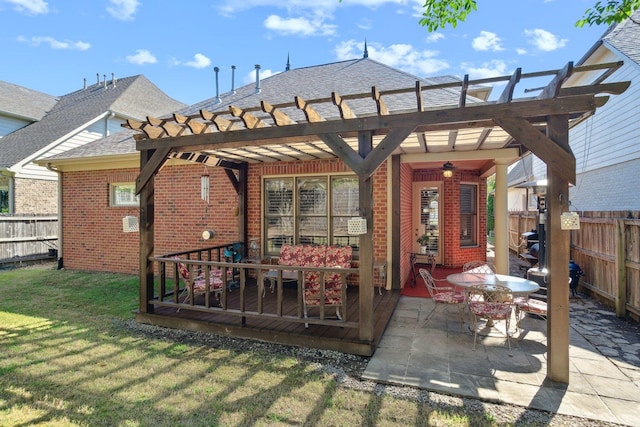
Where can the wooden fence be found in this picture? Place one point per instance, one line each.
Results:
(607, 248)
(24, 238)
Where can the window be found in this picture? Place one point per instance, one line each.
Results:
(4, 201)
(468, 215)
(123, 195)
(309, 210)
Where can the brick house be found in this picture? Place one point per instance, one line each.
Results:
(292, 160)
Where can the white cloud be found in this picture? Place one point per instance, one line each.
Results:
(544, 40)
(299, 26)
(199, 61)
(35, 7)
(55, 44)
(230, 7)
(402, 56)
(142, 56)
(365, 24)
(250, 77)
(487, 41)
(492, 68)
(434, 37)
(123, 9)
(521, 51)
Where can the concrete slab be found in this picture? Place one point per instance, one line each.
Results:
(425, 348)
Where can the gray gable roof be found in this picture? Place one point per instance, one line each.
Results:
(625, 37)
(134, 97)
(25, 103)
(314, 82)
(344, 78)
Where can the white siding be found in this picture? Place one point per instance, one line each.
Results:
(10, 124)
(91, 133)
(612, 134)
(515, 199)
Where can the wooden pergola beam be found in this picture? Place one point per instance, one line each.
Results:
(553, 88)
(560, 159)
(307, 132)
(507, 93)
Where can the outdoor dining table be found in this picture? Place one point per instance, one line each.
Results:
(517, 285)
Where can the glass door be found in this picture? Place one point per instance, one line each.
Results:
(426, 219)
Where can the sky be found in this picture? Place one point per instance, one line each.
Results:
(52, 46)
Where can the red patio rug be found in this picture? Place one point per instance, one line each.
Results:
(420, 290)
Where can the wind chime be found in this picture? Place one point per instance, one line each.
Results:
(204, 194)
(204, 185)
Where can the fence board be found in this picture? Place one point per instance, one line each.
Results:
(27, 237)
(595, 247)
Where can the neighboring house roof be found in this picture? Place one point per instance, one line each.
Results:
(521, 172)
(129, 97)
(625, 37)
(18, 101)
(344, 78)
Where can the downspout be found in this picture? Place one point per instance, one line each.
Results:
(106, 123)
(12, 195)
(52, 169)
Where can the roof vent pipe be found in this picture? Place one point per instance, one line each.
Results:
(113, 79)
(104, 80)
(233, 78)
(97, 78)
(257, 78)
(218, 100)
(84, 86)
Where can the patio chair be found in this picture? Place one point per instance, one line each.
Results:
(334, 294)
(197, 284)
(479, 267)
(492, 303)
(443, 295)
(529, 305)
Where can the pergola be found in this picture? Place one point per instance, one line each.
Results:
(364, 130)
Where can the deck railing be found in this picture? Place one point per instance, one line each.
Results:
(243, 293)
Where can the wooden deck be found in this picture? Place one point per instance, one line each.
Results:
(266, 324)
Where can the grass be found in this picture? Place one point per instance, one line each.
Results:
(65, 361)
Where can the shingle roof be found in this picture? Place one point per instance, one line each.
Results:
(132, 96)
(22, 102)
(345, 77)
(626, 37)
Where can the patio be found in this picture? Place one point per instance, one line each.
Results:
(435, 355)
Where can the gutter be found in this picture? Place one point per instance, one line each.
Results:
(60, 248)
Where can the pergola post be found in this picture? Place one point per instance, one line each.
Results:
(501, 223)
(365, 145)
(557, 261)
(146, 227)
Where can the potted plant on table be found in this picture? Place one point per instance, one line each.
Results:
(424, 241)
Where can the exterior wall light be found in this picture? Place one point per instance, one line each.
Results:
(447, 170)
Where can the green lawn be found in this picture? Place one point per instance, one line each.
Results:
(66, 360)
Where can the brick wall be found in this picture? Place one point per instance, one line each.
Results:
(92, 230)
(453, 254)
(35, 197)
